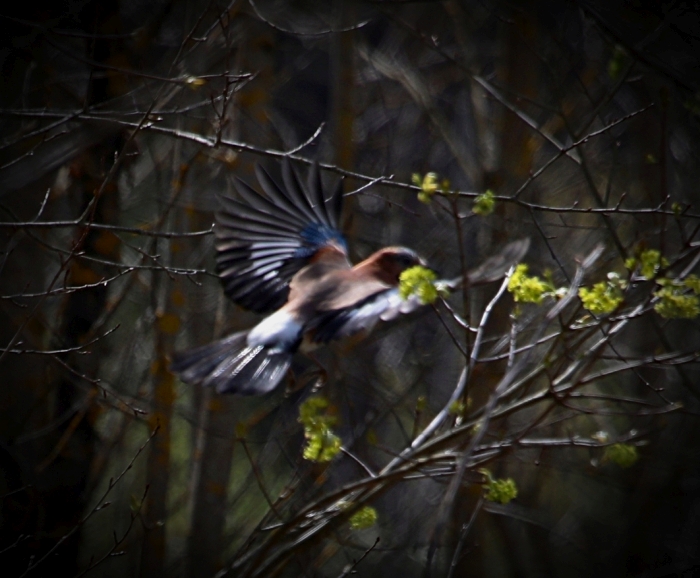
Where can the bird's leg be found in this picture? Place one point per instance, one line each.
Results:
(322, 378)
(293, 384)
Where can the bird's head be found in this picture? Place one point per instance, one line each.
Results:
(390, 262)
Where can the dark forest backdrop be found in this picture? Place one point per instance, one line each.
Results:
(120, 123)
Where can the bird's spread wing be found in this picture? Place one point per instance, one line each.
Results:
(496, 266)
(263, 241)
(386, 303)
(362, 316)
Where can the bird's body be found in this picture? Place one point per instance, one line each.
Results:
(283, 255)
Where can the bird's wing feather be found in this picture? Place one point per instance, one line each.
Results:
(495, 267)
(384, 305)
(262, 241)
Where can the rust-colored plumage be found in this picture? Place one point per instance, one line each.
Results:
(282, 254)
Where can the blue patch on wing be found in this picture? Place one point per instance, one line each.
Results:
(263, 240)
(316, 236)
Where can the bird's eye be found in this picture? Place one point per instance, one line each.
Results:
(406, 260)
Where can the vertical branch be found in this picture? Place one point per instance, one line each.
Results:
(342, 94)
(212, 458)
(249, 115)
(153, 550)
(158, 465)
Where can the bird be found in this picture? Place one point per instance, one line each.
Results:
(282, 254)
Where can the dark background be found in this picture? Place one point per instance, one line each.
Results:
(120, 123)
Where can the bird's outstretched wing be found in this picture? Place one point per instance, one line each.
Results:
(386, 304)
(383, 305)
(497, 265)
(263, 241)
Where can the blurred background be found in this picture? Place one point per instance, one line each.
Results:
(122, 121)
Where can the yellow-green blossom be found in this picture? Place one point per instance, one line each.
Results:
(527, 289)
(458, 407)
(364, 518)
(322, 445)
(649, 263)
(602, 298)
(484, 204)
(418, 281)
(429, 185)
(617, 62)
(624, 455)
(501, 490)
(674, 301)
(692, 282)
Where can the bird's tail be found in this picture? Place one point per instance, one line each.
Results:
(232, 366)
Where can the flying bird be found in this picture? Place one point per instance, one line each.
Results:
(282, 254)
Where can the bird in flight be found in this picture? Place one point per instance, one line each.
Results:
(282, 254)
